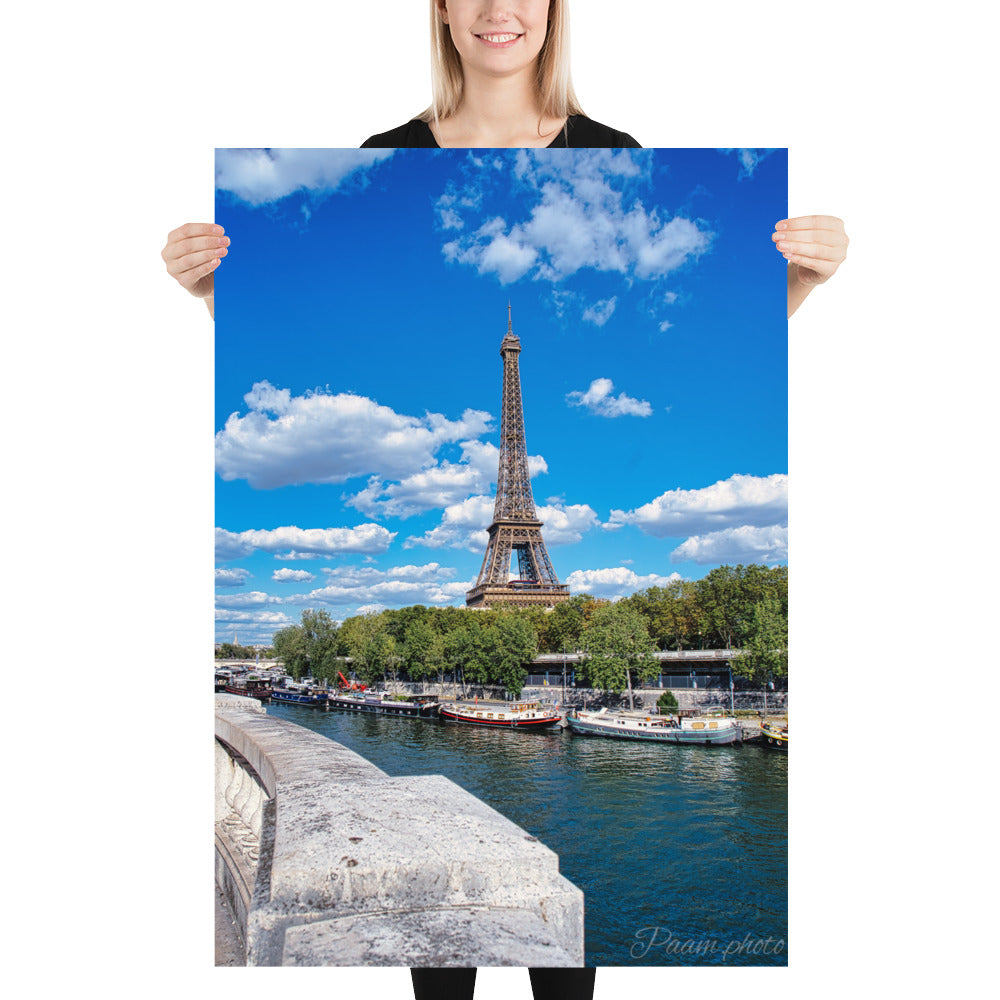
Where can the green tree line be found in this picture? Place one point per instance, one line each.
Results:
(741, 607)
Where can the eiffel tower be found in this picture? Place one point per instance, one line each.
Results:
(515, 526)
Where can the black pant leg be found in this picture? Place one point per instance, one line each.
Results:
(443, 984)
(562, 984)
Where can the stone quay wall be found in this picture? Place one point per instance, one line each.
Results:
(326, 860)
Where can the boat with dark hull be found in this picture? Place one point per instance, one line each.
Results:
(703, 730)
(250, 687)
(310, 697)
(518, 715)
(774, 736)
(381, 703)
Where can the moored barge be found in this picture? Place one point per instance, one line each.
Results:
(381, 703)
(655, 728)
(301, 695)
(521, 714)
(250, 687)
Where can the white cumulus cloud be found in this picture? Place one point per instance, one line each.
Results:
(249, 626)
(755, 501)
(231, 577)
(463, 526)
(491, 251)
(328, 438)
(350, 586)
(258, 176)
(599, 401)
(744, 544)
(439, 486)
(564, 524)
(576, 213)
(253, 617)
(292, 542)
(363, 576)
(348, 590)
(369, 609)
(614, 582)
(293, 576)
(253, 599)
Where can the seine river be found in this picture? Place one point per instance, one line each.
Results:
(681, 852)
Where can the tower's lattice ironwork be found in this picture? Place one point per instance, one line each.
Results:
(515, 528)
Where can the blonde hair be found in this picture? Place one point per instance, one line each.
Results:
(555, 87)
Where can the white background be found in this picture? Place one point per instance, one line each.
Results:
(113, 112)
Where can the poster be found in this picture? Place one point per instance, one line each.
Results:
(358, 321)
(143, 159)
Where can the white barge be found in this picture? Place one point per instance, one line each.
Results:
(658, 728)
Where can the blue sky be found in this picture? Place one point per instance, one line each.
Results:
(359, 316)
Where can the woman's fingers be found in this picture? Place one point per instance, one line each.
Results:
(191, 269)
(828, 223)
(182, 265)
(196, 274)
(194, 229)
(827, 237)
(820, 250)
(192, 252)
(817, 244)
(193, 244)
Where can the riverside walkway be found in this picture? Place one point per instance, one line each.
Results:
(668, 657)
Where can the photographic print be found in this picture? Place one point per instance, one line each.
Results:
(501, 513)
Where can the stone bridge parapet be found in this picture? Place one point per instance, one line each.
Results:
(326, 860)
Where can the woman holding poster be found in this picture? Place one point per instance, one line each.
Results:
(501, 79)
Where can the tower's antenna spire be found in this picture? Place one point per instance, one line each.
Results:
(509, 328)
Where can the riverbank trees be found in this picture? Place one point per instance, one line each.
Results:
(617, 644)
(765, 649)
(715, 612)
(732, 607)
(304, 648)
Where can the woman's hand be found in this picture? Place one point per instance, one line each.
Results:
(814, 246)
(192, 254)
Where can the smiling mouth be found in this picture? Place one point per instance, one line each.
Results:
(499, 38)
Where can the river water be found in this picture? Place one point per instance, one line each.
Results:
(681, 852)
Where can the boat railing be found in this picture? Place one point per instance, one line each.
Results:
(507, 706)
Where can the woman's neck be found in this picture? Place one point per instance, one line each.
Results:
(498, 112)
